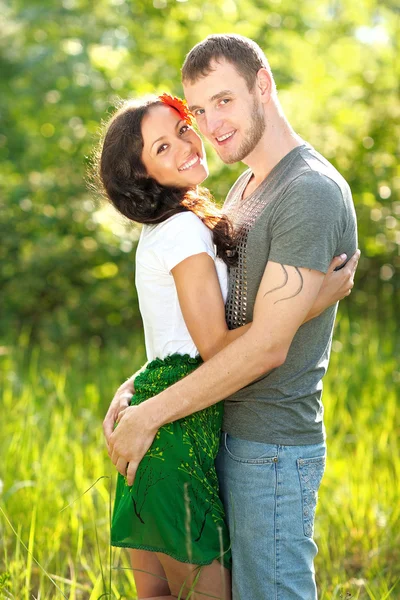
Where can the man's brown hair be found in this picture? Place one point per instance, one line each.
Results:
(246, 56)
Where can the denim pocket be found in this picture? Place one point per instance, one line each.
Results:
(310, 471)
(253, 453)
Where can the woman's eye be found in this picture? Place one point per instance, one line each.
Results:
(184, 129)
(161, 148)
(225, 101)
(199, 112)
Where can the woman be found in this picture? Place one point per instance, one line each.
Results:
(172, 519)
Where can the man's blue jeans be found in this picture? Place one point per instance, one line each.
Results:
(270, 494)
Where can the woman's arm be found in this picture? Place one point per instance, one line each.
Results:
(202, 305)
(120, 401)
(337, 284)
(203, 308)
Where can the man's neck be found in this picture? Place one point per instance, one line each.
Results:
(278, 140)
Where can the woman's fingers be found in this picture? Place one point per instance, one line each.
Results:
(121, 413)
(353, 262)
(109, 421)
(351, 265)
(124, 400)
(120, 401)
(351, 268)
(337, 262)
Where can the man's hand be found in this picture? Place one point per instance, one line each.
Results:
(131, 440)
(119, 403)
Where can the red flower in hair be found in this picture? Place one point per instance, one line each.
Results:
(179, 105)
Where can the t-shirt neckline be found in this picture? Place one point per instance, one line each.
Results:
(271, 175)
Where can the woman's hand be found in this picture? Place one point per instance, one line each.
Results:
(119, 403)
(336, 285)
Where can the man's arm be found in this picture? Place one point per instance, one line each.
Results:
(284, 299)
(336, 285)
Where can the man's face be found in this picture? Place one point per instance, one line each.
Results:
(227, 114)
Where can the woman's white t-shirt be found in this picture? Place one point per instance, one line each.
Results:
(160, 248)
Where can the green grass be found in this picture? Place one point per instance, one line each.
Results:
(55, 536)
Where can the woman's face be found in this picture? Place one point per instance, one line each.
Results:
(173, 154)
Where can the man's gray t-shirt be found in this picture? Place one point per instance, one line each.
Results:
(301, 215)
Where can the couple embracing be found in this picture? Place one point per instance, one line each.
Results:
(219, 439)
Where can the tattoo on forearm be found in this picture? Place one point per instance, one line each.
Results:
(279, 287)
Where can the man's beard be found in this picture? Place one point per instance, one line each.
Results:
(252, 136)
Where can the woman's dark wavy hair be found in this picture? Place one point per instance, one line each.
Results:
(125, 182)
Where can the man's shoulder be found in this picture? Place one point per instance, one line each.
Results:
(314, 172)
(314, 188)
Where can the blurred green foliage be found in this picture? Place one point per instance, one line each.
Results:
(66, 270)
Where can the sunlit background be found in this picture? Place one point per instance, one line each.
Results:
(69, 322)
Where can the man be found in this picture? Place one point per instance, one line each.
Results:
(293, 212)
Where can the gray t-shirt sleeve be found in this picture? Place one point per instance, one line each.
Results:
(308, 223)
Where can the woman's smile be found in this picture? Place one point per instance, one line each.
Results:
(193, 161)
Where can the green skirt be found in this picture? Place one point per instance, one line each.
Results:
(174, 506)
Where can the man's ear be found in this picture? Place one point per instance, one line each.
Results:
(264, 85)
